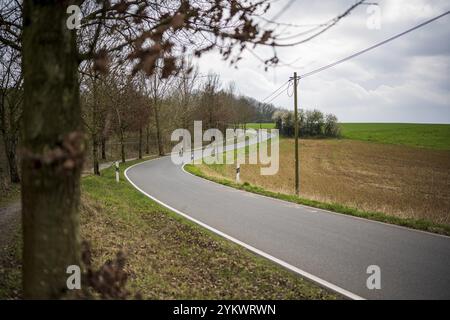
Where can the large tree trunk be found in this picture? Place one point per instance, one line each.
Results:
(53, 149)
(10, 143)
(158, 133)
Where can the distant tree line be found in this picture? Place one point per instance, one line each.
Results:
(312, 123)
(148, 108)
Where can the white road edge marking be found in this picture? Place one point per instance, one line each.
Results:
(303, 273)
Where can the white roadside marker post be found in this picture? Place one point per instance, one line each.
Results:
(117, 171)
(238, 171)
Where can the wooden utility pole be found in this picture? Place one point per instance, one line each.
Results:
(297, 187)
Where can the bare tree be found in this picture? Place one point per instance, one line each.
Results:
(209, 101)
(120, 97)
(95, 112)
(11, 98)
(157, 88)
(188, 78)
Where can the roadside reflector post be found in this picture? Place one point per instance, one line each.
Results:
(117, 171)
(238, 171)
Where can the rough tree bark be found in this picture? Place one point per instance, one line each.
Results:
(53, 149)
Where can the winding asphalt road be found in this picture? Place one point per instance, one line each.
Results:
(332, 249)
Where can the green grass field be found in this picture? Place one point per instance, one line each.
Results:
(433, 136)
(254, 125)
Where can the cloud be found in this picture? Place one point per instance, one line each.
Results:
(406, 80)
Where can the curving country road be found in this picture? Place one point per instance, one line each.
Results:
(331, 249)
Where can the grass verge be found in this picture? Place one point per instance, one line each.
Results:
(418, 224)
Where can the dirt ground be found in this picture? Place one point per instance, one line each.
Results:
(397, 180)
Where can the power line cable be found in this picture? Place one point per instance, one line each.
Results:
(282, 91)
(287, 90)
(276, 91)
(293, 25)
(372, 47)
(283, 10)
(327, 27)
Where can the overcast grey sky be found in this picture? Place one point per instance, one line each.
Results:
(406, 80)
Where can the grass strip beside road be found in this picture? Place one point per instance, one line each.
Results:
(418, 224)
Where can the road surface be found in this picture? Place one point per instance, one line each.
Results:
(332, 249)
